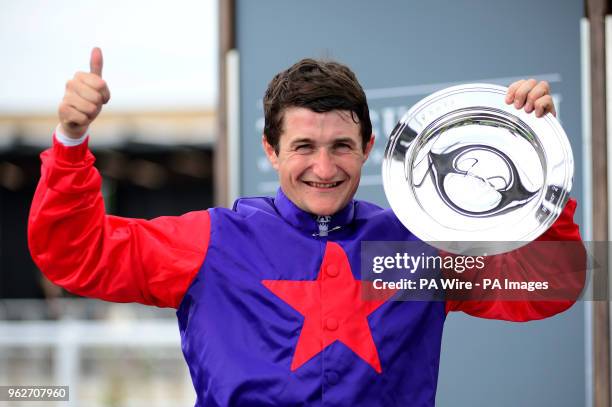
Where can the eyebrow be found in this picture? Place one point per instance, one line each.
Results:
(347, 140)
(301, 140)
(308, 140)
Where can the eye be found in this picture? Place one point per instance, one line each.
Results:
(343, 147)
(303, 148)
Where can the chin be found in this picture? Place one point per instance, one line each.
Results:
(324, 210)
(323, 213)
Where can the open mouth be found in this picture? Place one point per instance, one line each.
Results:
(323, 185)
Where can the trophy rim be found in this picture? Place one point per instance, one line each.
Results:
(439, 109)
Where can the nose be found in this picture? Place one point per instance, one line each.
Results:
(324, 166)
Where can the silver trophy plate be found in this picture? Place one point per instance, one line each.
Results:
(469, 174)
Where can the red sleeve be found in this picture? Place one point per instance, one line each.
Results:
(77, 246)
(563, 265)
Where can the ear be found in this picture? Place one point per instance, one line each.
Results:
(368, 148)
(270, 153)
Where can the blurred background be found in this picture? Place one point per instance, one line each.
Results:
(154, 146)
(182, 132)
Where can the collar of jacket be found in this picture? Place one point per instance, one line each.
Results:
(309, 222)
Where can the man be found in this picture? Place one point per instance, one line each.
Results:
(268, 294)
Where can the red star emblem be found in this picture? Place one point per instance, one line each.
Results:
(333, 308)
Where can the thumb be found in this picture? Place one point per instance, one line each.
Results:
(96, 61)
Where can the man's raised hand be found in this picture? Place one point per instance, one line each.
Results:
(85, 94)
(532, 96)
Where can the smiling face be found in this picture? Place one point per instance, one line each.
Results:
(319, 159)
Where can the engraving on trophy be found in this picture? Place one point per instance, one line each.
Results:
(543, 213)
(477, 180)
(437, 110)
(553, 193)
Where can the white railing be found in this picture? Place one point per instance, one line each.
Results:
(70, 339)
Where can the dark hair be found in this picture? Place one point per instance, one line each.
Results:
(320, 86)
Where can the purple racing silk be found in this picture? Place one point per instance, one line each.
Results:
(272, 318)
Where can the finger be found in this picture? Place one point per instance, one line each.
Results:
(105, 95)
(520, 95)
(87, 92)
(544, 105)
(71, 117)
(90, 79)
(96, 61)
(541, 89)
(512, 90)
(552, 110)
(84, 106)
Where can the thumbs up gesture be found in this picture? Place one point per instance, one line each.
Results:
(85, 94)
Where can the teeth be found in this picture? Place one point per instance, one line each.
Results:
(320, 185)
